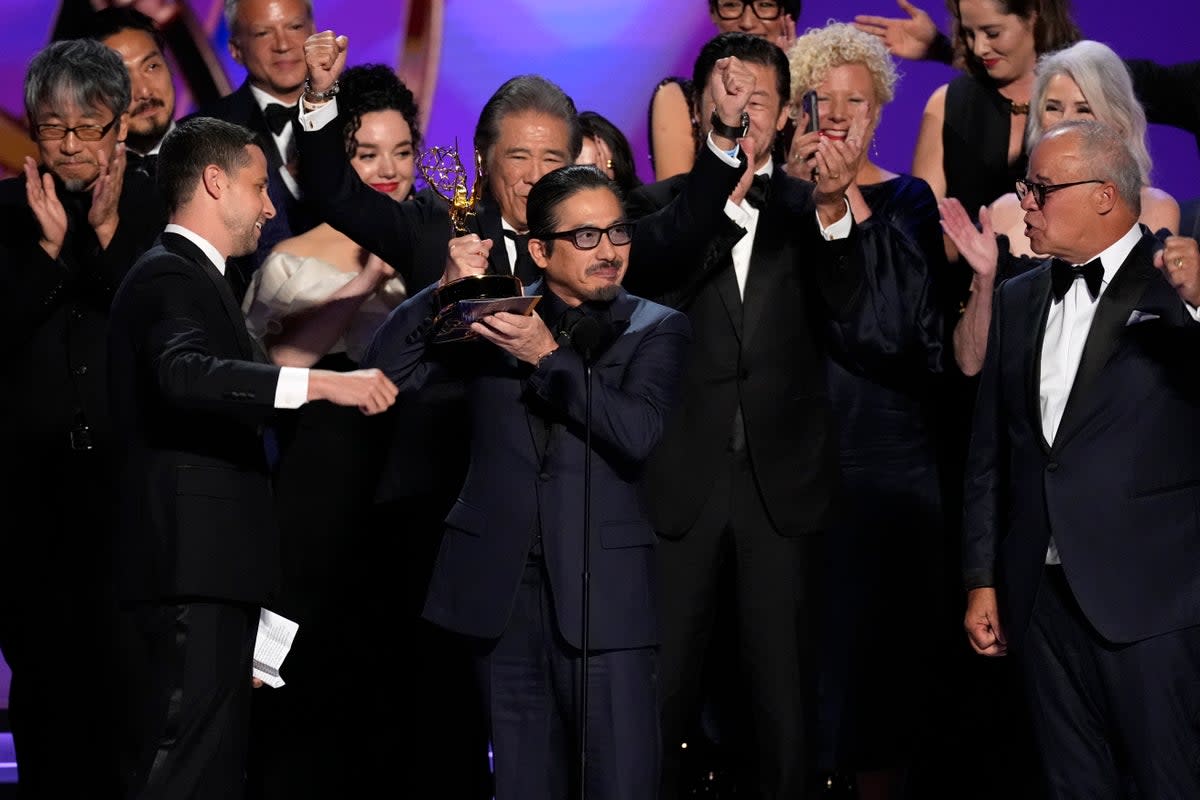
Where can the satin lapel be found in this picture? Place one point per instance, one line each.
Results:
(767, 256)
(1038, 307)
(1112, 312)
(185, 249)
(727, 288)
(487, 220)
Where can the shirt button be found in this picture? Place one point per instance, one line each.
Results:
(1052, 466)
(81, 369)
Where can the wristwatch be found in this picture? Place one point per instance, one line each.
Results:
(729, 131)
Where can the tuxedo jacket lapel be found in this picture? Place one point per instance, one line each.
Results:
(767, 258)
(1112, 312)
(1038, 307)
(184, 248)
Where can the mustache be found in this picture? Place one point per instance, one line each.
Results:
(148, 104)
(615, 263)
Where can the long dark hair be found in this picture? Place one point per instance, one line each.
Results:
(1053, 29)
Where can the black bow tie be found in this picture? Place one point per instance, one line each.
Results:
(1062, 275)
(526, 268)
(759, 191)
(280, 116)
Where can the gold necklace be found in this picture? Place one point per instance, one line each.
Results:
(1018, 109)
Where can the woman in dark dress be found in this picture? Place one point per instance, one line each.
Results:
(886, 541)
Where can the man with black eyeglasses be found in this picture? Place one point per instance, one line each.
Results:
(1081, 490)
(70, 228)
(509, 574)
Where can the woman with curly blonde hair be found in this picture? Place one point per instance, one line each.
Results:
(885, 541)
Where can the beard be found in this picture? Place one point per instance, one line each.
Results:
(608, 291)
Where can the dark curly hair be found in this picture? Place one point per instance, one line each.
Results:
(374, 87)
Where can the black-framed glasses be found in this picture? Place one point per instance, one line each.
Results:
(619, 233)
(1040, 190)
(84, 133)
(763, 9)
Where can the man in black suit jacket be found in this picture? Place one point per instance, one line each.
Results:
(1081, 490)
(510, 570)
(70, 230)
(267, 38)
(197, 543)
(740, 488)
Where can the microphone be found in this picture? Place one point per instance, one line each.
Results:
(582, 333)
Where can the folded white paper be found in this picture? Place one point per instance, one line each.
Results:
(275, 636)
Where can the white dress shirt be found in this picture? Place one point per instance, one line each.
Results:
(292, 389)
(746, 216)
(283, 140)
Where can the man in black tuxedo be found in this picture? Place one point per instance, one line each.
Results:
(198, 548)
(1080, 526)
(69, 230)
(509, 574)
(267, 38)
(740, 488)
(152, 103)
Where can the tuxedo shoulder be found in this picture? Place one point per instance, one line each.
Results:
(656, 313)
(232, 107)
(650, 197)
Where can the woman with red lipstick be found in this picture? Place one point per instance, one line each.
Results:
(317, 300)
(972, 140)
(885, 539)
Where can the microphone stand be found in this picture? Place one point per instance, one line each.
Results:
(585, 336)
(587, 575)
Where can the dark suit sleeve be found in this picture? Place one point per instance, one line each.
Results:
(398, 348)
(630, 401)
(987, 458)
(376, 222)
(173, 318)
(1169, 94)
(670, 245)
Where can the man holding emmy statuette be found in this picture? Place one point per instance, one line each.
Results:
(526, 129)
(547, 561)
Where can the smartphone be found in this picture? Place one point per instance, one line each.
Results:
(809, 104)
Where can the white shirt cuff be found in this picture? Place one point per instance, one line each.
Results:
(839, 229)
(292, 389)
(729, 157)
(736, 213)
(1195, 312)
(319, 117)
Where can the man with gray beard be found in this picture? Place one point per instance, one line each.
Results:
(69, 230)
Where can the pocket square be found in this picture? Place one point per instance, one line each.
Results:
(1136, 316)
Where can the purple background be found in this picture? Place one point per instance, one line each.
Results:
(609, 55)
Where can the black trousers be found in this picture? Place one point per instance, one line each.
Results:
(190, 700)
(530, 681)
(771, 580)
(1110, 715)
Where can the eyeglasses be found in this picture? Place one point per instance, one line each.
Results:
(84, 133)
(763, 9)
(619, 234)
(1040, 190)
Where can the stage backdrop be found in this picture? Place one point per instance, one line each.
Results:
(608, 54)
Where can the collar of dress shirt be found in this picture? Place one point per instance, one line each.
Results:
(213, 254)
(1113, 256)
(263, 99)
